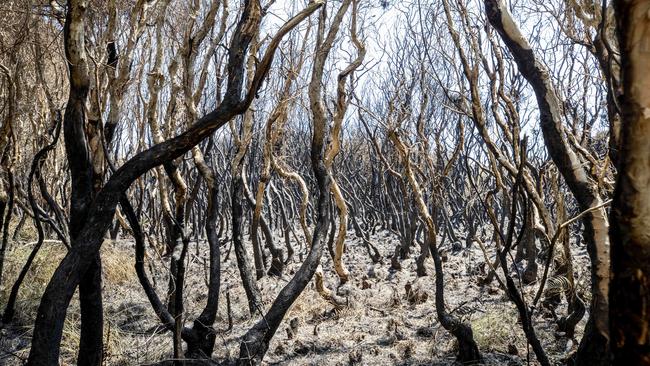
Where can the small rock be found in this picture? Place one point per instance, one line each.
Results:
(512, 349)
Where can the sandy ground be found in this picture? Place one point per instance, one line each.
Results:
(379, 327)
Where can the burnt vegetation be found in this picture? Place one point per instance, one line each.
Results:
(324, 182)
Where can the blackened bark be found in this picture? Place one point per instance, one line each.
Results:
(200, 338)
(468, 352)
(157, 305)
(277, 254)
(568, 324)
(243, 262)
(19, 227)
(511, 288)
(256, 341)
(37, 163)
(630, 294)
(58, 294)
(91, 340)
(7, 211)
(594, 345)
(285, 226)
(202, 335)
(82, 178)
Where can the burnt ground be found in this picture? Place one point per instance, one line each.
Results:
(380, 326)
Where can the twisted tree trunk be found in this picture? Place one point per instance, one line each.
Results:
(594, 345)
(58, 294)
(83, 176)
(256, 341)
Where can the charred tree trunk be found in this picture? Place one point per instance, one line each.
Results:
(7, 211)
(468, 352)
(58, 294)
(594, 345)
(256, 341)
(82, 182)
(277, 254)
(630, 295)
(201, 342)
(243, 262)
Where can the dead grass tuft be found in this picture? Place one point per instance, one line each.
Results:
(495, 329)
(37, 278)
(117, 271)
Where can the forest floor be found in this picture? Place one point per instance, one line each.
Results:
(380, 326)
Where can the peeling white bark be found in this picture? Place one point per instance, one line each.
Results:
(511, 28)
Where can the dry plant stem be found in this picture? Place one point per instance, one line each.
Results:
(37, 164)
(424, 170)
(242, 139)
(558, 233)
(334, 147)
(84, 173)
(277, 260)
(273, 132)
(513, 292)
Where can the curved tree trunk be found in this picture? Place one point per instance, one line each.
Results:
(594, 345)
(256, 341)
(468, 352)
(277, 254)
(201, 342)
(58, 294)
(7, 212)
(37, 164)
(243, 262)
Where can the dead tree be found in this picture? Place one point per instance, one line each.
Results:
(595, 341)
(274, 128)
(468, 352)
(242, 141)
(57, 296)
(256, 341)
(506, 239)
(83, 175)
(37, 165)
(630, 312)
